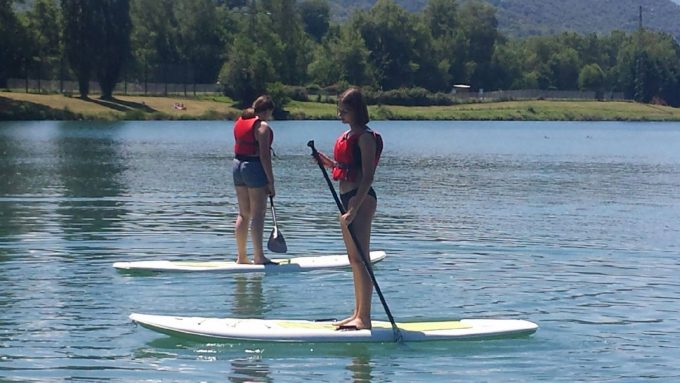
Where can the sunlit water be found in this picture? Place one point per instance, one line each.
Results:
(574, 226)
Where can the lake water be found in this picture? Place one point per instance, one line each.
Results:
(574, 226)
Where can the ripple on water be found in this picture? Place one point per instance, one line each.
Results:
(486, 220)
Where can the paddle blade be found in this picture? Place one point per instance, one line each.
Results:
(276, 243)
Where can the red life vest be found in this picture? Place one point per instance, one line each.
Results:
(348, 155)
(245, 143)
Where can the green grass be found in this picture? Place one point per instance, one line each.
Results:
(22, 106)
(25, 106)
(539, 110)
(533, 110)
(311, 110)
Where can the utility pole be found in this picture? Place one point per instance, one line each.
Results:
(639, 80)
(640, 24)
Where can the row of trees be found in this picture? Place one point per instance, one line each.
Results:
(248, 45)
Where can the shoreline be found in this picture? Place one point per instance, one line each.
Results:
(16, 106)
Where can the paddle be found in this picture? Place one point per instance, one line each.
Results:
(397, 333)
(276, 241)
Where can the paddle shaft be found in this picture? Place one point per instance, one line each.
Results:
(271, 202)
(276, 242)
(397, 333)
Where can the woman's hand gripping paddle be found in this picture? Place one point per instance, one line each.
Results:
(276, 241)
(397, 333)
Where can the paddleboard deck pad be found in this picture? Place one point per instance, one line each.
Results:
(311, 331)
(277, 265)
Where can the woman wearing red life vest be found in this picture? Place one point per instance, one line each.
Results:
(253, 176)
(356, 156)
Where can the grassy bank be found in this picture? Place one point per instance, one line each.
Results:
(28, 106)
(530, 110)
(23, 106)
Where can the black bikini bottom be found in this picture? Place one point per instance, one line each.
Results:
(345, 197)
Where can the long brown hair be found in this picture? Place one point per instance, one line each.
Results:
(261, 104)
(353, 99)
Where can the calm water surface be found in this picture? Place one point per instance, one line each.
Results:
(575, 226)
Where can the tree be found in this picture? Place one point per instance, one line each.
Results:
(399, 44)
(45, 46)
(592, 78)
(671, 87)
(247, 71)
(607, 48)
(647, 67)
(201, 38)
(479, 29)
(113, 41)
(342, 57)
(10, 48)
(352, 59)
(80, 39)
(293, 52)
(315, 17)
(154, 38)
(441, 17)
(506, 66)
(323, 69)
(564, 67)
(537, 53)
(97, 38)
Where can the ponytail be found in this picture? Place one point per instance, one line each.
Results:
(248, 113)
(261, 104)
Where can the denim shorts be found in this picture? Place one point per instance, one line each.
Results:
(249, 173)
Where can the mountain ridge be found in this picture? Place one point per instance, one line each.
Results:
(522, 18)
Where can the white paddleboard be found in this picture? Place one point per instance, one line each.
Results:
(279, 264)
(310, 331)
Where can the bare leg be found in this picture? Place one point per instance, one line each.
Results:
(258, 206)
(363, 285)
(348, 239)
(242, 223)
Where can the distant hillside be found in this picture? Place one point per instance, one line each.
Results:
(532, 17)
(521, 18)
(529, 17)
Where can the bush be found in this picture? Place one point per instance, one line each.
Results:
(297, 93)
(134, 115)
(383, 113)
(408, 97)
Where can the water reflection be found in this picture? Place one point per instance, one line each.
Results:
(251, 369)
(90, 168)
(21, 175)
(493, 212)
(360, 368)
(248, 299)
(255, 369)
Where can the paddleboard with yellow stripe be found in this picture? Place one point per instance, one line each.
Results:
(278, 264)
(311, 331)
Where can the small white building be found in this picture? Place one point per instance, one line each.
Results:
(460, 88)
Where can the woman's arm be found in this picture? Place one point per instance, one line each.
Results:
(327, 161)
(367, 146)
(263, 134)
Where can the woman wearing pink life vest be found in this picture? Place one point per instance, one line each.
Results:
(253, 176)
(356, 156)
